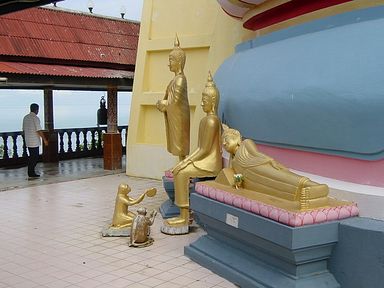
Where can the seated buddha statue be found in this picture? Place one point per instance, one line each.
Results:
(205, 161)
(263, 174)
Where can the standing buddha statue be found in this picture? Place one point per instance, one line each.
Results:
(175, 106)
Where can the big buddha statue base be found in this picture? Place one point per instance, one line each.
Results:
(253, 251)
(279, 210)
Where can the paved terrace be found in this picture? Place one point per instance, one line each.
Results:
(51, 233)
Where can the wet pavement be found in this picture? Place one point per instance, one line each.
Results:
(62, 171)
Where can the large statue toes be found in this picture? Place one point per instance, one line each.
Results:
(177, 221)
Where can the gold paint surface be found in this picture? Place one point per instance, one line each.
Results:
(205, 161)
(122, 217)
(175, 105)
(266, 180)
(292, 206)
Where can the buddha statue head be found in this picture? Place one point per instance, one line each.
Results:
(211, 96)
(231, 139)
(177, 57)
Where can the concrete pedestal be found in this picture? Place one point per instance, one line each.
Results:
(357, 259)
(112, 151)
(253, 251)
(50, 152)
(168, 209)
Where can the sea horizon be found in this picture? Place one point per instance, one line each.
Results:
(71, 109)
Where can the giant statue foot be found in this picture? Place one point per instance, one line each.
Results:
(177, 225)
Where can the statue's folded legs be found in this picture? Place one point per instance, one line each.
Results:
(181, 182)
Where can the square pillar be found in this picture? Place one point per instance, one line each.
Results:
(112, 139)
(112, 110)
(112, 151)
(50, 152)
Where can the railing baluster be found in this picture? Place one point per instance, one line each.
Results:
(1, 146)
(61, 142)
(69, 133)
(85, 140)
(14, 152)
(77, 133)
(99, 139)
(93, 142)
(90, 139)
(5, 152)
(25, 154)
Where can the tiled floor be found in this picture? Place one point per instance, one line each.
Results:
(55, 172)
(51, 238)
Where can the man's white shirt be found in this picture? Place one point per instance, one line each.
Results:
(31, 124)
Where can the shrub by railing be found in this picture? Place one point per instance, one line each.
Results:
(72, 143)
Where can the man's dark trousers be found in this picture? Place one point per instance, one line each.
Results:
(32, 161)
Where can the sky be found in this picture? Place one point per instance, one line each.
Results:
(71, 108)
(106, 7)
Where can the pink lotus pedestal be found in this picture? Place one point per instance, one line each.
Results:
(294, 219)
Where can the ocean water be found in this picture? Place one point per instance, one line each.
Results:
(72, 109)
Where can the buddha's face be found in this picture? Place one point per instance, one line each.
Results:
(231, 143)
(173, 63)
(206, 103)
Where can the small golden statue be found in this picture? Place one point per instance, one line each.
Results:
(122, 217)
(262, 174)
(238, 179)
(205, 161)
(140, 229)
(175, 106)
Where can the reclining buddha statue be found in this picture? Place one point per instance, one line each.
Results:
(262, 174)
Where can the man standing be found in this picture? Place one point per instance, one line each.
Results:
(32, 133)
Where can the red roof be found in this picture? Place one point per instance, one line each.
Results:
(64, 38)
(62, 70)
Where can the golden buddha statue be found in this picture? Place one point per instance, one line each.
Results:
(175, 105)
(122, 217)
(262, 174)
(205, 161)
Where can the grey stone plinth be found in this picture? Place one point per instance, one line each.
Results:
(252, 251)
(168, 209)
(358, 258)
